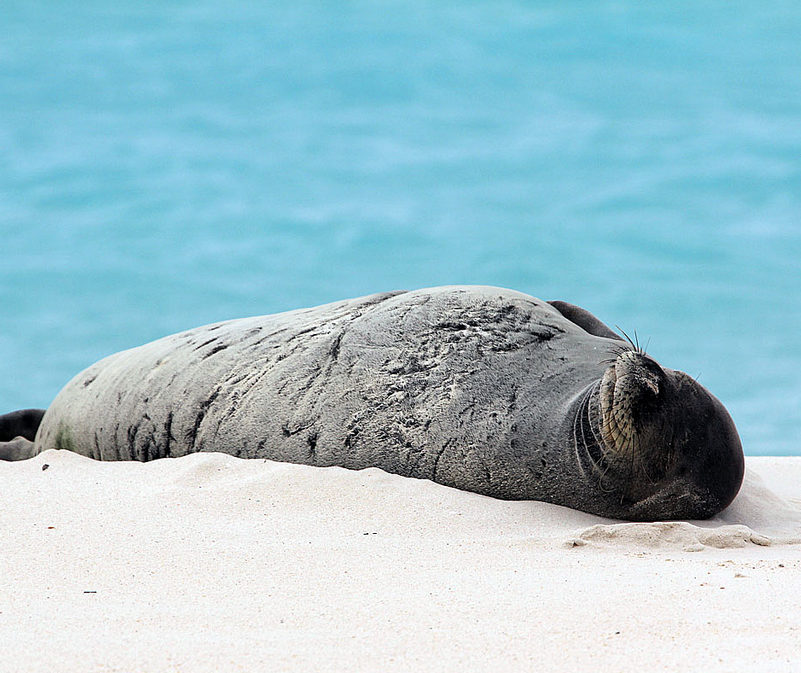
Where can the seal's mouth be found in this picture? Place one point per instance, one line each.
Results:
(630, 386)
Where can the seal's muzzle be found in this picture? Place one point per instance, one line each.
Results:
(660, 428)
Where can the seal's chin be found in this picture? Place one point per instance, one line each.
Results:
(629, 390)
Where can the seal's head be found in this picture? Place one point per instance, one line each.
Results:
(666, 443)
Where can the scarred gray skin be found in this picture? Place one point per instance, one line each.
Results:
(479, 388)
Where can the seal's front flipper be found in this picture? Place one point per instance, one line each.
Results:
(22, 423)
(584, 319)
(18, 448)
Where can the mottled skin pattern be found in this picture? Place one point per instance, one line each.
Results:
(479, 388)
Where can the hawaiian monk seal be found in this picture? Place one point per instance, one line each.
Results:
(479, 388)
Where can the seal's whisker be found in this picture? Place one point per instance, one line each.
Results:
(650, 479)
(584, 416)
(638, 456)
(626, 336)
(605, 464)
(601, 482)
(618, 349)
(643, 468)
(632, 460)
(575, 438)
(598, 439)
(583, 410)
(606, 468)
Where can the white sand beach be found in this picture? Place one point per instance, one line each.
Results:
(212, 563)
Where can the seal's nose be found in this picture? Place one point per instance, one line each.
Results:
(630, 402)
(648, 381)
(639, 369)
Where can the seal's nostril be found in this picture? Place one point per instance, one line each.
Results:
(652, 385)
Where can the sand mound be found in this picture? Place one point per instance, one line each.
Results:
(765, 509)
(669, 535)
(758, 516)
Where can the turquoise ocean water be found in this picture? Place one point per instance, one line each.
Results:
(169, 164)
